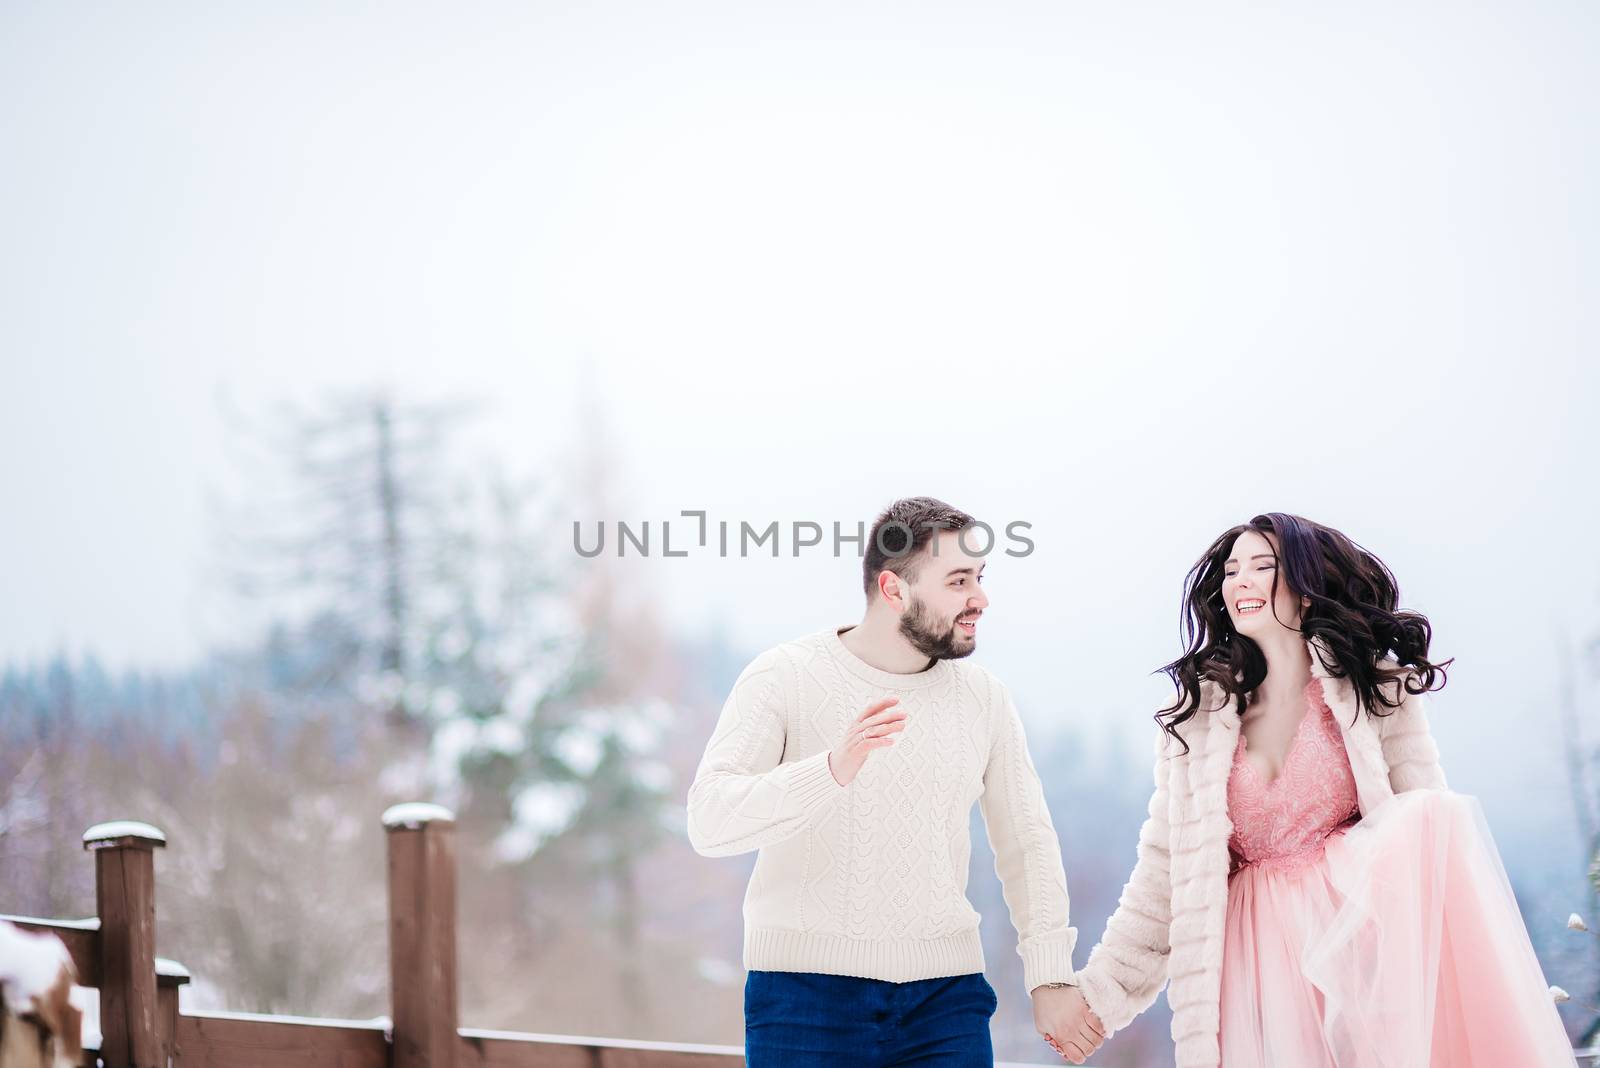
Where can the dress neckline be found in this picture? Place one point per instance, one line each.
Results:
(1313, 708)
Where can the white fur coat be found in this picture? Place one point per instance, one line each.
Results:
(1168, 924)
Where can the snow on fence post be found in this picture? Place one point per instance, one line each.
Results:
(125, 892)
(422, 935)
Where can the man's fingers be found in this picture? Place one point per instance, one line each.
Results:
(1071, 1049)
(878, 706)
(877, 728)
(895, 715)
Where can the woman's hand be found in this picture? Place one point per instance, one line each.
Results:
(1065, 1020)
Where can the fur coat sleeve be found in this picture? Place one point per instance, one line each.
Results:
(1408, 747)
(1128, 969)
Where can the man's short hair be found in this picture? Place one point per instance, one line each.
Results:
(901, 533)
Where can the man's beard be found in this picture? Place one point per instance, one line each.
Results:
(928, 637)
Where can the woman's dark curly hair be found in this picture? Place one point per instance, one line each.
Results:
(1353, 609)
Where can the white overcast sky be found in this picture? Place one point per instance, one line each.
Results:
(1130, 273)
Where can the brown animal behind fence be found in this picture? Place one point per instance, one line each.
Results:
(40, 1027)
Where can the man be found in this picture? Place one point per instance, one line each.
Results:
(851, 759)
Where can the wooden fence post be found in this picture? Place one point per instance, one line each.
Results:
(125, 892)
(170, 975)
(422, 935)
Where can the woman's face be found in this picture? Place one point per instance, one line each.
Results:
(1247, 588)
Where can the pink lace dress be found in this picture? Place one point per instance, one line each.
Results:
(1389, 941)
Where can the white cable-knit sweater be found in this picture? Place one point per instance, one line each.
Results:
(870, 879)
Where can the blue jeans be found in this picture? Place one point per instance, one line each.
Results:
(807, 1020)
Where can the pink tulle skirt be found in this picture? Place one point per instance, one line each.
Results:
(1398, 945)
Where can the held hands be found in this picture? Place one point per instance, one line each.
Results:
(873, 729)
(1065, 1020)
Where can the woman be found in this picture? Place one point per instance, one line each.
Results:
(1312, 888)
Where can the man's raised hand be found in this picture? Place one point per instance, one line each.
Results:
(873, 729)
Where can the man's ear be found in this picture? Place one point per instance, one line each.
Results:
(891, 589)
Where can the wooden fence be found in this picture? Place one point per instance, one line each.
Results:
(141, 1027)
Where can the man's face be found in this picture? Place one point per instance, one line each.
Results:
(946, 598)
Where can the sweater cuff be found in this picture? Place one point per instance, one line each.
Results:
(812, 783)
(1049, 961)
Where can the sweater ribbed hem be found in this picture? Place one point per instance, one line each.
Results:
(778, 950)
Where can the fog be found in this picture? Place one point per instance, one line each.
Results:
(1127, 273)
